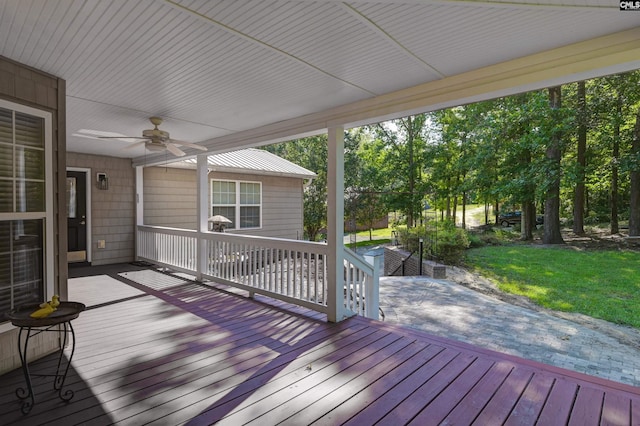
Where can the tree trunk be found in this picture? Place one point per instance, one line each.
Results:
(528, 206)
(552, 233)
(486, 212)
(464, 209)
(527, 220)
(634, 208)
(615, 154)
(454, 211)
(579, 194)
(448, 199)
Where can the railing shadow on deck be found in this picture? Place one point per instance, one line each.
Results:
(219, 356)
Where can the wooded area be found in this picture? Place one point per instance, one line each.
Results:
(570, 153)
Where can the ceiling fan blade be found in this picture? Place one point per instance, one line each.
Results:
(174, 149)
(123, 138)
(188, 144)
(135, 145)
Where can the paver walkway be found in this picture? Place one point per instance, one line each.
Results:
(448, 309)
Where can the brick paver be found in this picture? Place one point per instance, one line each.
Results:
(450, 310)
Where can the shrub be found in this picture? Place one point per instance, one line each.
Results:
(489, 235)
(441, 240)
(476, 240)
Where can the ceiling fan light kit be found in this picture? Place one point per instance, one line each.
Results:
(157, 140)
(155, 146)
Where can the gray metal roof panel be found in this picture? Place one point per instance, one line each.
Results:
(253, 161)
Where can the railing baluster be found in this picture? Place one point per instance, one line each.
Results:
(294, 274)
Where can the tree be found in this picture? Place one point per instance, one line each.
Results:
(634, 204)
(401, 143)
(366, 180)
(364, 207)
(521, 124)
(310, 153)
(579, 193)
(616, 100)
(552, 233)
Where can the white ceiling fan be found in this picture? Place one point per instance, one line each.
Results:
(158, 140)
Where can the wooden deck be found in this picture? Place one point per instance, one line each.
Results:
(182, 353)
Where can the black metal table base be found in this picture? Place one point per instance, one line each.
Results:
(27, 395)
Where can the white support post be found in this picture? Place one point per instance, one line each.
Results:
(202, 214)
(139, 205)
(372, 296)
(139, 195)
(335, 224)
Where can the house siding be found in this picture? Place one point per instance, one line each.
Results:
(170, 199)
(27, 86)
(112, 210)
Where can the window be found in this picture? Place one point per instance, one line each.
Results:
(25, 218)
(240, 202)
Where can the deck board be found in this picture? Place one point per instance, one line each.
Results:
(469, 407)
(363, 385)
(614, 410)
(345, 409)
(497, 410)
(183, 353)
(559, 403)
(531, 401)
(449, 398)
(587, 408)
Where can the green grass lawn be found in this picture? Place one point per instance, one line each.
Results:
(600, 284)
(376, 234)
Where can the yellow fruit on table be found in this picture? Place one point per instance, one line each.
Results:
(43, 312)
(55, 301)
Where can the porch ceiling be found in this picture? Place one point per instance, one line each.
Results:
(237, 73)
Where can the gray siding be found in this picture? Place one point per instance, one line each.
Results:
(170, 199)
(112, 210)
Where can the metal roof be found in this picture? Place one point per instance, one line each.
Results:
(251, 161)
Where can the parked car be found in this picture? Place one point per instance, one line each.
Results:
(511, 218)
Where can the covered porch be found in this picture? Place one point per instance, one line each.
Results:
(158, 348)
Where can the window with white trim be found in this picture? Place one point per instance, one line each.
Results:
(25, 213)
(238, 201)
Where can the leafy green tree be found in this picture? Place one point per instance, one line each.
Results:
(581, 159)
(615, 101)
(401, 145)
(520, 124)
(366, 200)
(634, 202)
(553, 153)
(310, 153)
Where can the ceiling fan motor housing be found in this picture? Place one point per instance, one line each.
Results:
(155, 134)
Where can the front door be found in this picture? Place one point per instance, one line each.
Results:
(77, 216)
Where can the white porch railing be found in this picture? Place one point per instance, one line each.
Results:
(361, 281)
(288, 270)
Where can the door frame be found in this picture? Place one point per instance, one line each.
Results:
(89, 182)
